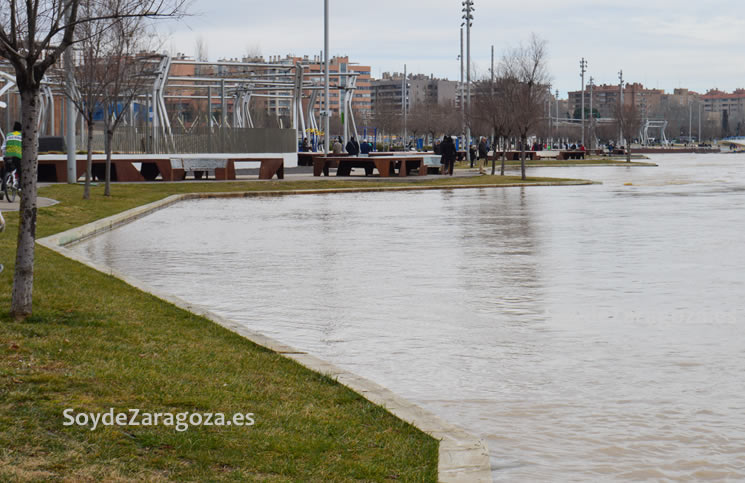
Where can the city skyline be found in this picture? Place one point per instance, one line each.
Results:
(667, 45)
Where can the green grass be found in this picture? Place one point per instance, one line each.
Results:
(95, 342)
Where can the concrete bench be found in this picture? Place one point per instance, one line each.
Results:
(222, 169)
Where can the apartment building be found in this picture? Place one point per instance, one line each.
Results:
(605, 99)
(388, 91)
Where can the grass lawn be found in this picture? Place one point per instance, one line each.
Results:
(95, 343)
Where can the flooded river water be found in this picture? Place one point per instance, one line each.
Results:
(586, 333)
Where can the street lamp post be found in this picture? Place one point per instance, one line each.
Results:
(557, 113)
(327, 113)
(404, 105)
(548, 104)
(592, 117)
(467, 17)
(620, 106)
(71, 115)
(583, 69)
(690, 119)
(462, 91)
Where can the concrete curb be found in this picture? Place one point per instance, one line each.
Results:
(462, 456)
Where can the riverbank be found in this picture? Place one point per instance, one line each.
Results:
(95, 342)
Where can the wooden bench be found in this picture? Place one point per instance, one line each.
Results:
(386, 166)
(268, 168)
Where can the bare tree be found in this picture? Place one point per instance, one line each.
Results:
(494, 105)
(33, 36)
(387, 117)
(526, 68)
(126, 78)
(629, 119)
(201, 50)
(90, 74)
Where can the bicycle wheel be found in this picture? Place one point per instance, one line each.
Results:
(11, 190)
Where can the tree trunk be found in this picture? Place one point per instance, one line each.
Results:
(628, 151)
(23, 279)
(88, 163)
(494, 157)
(523, 141)
(109, 136)
(505, 144)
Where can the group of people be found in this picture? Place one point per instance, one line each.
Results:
(353, 147)
(449, 153)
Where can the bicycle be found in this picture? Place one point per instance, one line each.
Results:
(11, 187)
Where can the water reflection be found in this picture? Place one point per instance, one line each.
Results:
(587, 332)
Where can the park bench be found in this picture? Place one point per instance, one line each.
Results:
(222, 169)
(386, 165)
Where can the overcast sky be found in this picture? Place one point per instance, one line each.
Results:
(661, 43)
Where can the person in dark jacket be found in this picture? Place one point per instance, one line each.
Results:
(447, 147)
(483, 154)
(365, 147)
(353, 147)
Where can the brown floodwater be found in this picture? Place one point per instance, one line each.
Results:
(586, 333)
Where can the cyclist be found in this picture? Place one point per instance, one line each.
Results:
(12, 151)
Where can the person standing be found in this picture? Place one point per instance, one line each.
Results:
(483, 154)
(12, 152)
(448, 155)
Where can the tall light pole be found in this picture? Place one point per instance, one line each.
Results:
(404, 102)
(582, 70)
(327, 113)
(557, 114)
(592, 116)
(690, 119)
(462, 90)
(468, 17)
(548, 104)
(71, 114)
(620, 106)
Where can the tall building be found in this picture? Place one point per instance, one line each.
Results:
(717, 102)
(388, 91)
(605, 99)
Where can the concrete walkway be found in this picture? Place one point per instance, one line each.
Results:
(41, 203)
